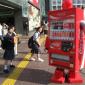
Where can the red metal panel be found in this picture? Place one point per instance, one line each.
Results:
(64, 28)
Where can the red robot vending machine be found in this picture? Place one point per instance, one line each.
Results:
(63, 44)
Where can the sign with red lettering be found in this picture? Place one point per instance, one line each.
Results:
(35, 2)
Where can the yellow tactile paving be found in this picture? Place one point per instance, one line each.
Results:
(16, 73)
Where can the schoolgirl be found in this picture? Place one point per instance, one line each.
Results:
(36, 44)
(9, 50)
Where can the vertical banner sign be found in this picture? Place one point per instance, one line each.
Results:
(35, 2)
(42, 7)
(25, 8)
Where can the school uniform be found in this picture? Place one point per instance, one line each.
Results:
(9, 47)
(35, 45)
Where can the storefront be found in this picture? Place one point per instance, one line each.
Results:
(12, 12)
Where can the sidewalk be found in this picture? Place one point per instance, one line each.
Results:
(29, 72)
(22, 52)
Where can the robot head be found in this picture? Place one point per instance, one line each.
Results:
(67, 4)
(82, 25)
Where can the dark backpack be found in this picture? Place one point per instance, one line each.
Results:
(30, 42)
(3, 43)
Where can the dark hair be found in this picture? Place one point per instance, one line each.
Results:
(10, 27)
(37, 28)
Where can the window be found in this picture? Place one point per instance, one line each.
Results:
(59, 7)
(83, 1)
(84, 5)
(59, 1)
(54, 7)
(79, 1)
(54, 2)
(74, 1)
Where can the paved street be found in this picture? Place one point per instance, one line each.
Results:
(63, 21)
(32, 72)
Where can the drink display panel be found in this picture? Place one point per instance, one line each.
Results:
(62, 29)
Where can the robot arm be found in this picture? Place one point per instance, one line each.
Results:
(47, 43)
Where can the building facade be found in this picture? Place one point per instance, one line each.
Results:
(14, 12)
(44, 8)
(34, 14)
(57, 4)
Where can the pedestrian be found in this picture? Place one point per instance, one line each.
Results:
(5, 29)
(45, 28)
(9, 50)
(0, 34)
(25, 25)
(16, 41)
(35, 49)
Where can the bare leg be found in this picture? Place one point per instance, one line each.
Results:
(6, 68)
(39, 59)
(6, 62)
(11, 64)
(32, 59)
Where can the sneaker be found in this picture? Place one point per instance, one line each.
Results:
(6, 70)
(12, 66)
(40, 59)
(32, 59)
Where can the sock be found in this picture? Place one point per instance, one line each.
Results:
(11, 64)
(5, 67)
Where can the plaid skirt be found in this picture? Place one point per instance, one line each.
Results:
(35, 49)
(9, 54)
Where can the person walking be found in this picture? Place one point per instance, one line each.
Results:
(35, 49)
